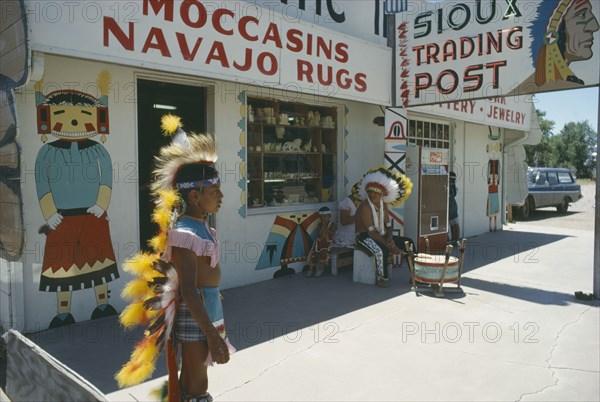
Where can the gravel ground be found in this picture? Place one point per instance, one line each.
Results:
(581, 214)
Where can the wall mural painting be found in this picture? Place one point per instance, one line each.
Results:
(290, 239)
(395, 153)
(13, 73)
(74, 186)
(494, 151)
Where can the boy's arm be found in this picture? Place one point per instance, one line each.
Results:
(331, 231)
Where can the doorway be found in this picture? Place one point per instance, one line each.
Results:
(156, 98)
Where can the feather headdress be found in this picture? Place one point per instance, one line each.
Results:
(153, 299)
(153, 291)
(184, 150)
(355, 190)
(393, 187)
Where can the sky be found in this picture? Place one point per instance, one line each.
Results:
(569, 106)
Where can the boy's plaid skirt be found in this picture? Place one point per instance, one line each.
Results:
(187, 329)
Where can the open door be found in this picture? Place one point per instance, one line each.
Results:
(156, 98)
(428, 170)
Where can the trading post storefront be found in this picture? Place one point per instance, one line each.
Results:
(476, 66)
(284, 88)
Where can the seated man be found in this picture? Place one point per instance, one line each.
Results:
(372, 223)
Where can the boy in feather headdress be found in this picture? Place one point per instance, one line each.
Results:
(319, 252)
(190, 297)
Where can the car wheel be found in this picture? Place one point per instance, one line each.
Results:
(564, 206)
(527, 208)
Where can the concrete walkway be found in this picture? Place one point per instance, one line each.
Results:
(516, 334)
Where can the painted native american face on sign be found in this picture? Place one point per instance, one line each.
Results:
(563, 33)
(579, 27)
(562, 46)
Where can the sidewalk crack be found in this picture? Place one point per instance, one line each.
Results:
(551, 353)
(286, 357)
(267, 369)
(575, 369)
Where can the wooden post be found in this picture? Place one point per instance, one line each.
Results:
(410, 259)
(440, 291)
(461, 251)
(596, 278)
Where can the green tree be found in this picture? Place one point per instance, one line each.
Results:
(573, 147)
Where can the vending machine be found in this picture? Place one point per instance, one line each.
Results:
(426, 213)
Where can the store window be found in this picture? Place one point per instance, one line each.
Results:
(429, 135)
(292, 153)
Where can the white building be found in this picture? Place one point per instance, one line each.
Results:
(289, 93)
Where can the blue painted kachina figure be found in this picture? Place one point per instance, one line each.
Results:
(74, 186)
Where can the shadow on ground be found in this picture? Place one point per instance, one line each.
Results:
(254, 314)
(511, 246)
(533, 295)
(546, 213)
(266, 310)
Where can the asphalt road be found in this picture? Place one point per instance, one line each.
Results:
(580, 215)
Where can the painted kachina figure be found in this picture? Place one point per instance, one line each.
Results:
(493, 200)
(74, 186)
(175, 292)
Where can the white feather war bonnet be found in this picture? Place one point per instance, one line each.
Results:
(393, 187)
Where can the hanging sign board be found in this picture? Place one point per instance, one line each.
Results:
(363, 19)
(451, 50)
(507, 112)
(234, 41)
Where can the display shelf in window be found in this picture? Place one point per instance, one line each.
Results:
(292, 153)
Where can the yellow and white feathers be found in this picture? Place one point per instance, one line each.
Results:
(104, 79)
(185, 149)
(153, 296)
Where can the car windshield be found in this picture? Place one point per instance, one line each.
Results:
(532, 176)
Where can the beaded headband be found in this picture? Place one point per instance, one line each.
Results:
(198, 184)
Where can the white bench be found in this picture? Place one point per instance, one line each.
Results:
(363, 270)
(341, 258)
